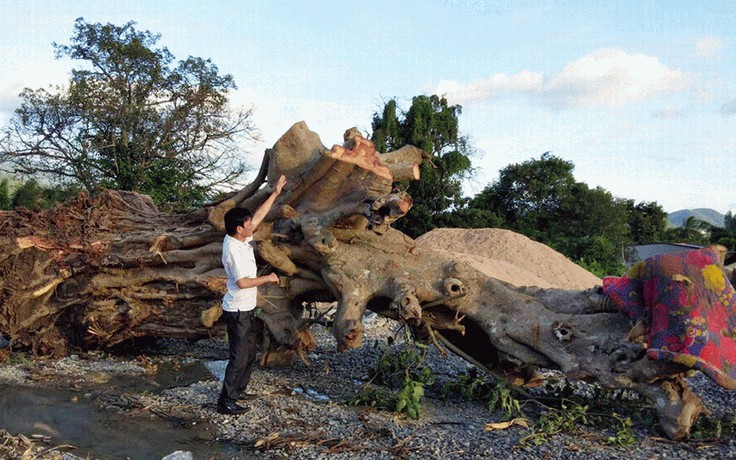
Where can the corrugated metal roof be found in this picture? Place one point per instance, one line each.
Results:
(644, 251)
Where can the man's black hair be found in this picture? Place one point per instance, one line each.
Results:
(235, 218)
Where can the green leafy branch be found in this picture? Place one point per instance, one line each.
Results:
(571, 416)
(405, 370)
(498, 395)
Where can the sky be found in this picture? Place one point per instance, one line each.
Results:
(639, 95)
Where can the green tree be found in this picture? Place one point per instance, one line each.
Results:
(60, 192)
(693, 231)
(729, 221)
(130, 119)
(725, 237)
(5, 198)
(540, 198)
(432, 125)
(647, 222)
(591, 225)
(528, 196)
(467, 216)
(33, 195)
(28, 195)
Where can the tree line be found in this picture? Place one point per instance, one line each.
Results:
(132, 118)
(539, 198)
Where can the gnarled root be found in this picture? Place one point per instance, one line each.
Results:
(677, 406)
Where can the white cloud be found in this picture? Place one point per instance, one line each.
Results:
(606, 77)
(708, 47)
(31, 74)
(611, 77)
(498, 84)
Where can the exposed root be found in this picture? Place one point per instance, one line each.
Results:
(433, 338)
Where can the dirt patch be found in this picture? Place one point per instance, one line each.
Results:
(510, 257)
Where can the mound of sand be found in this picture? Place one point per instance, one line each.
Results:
(510, 257)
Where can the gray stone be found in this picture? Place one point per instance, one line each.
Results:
(179, 455)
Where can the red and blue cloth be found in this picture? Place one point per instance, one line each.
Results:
(690, 305)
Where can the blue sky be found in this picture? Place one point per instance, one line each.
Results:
(639, 95)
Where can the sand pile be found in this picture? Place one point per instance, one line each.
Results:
(510, 257)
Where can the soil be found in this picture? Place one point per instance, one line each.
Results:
(510, 257)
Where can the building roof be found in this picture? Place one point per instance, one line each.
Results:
(641, 252)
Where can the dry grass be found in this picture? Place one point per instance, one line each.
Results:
(20, 447)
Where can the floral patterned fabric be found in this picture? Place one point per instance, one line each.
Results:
(690, 307)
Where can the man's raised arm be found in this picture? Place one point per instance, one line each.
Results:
(262, 210)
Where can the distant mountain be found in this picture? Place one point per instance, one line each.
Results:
(707, 215)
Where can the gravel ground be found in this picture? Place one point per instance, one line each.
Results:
(301, 412)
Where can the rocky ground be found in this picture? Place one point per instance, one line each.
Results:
(302, 413)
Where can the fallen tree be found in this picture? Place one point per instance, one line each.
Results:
(101, 270)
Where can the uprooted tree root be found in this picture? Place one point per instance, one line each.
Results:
(99, 271)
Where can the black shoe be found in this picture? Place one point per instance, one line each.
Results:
(247, 396)
(230, 408)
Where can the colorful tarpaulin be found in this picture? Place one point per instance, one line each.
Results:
(690, 307)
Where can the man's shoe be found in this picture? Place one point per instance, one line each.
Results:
(247, 396)
(230, 408)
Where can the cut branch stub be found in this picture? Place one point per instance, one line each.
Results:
(406, 302)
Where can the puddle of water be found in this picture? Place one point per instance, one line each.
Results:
(168, 375)
(172, 375)
(101, 434)
(216, 369)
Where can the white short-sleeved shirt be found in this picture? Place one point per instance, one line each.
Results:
(239, 262)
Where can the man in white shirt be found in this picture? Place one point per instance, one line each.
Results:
(240, 300)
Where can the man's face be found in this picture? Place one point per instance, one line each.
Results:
(246, 229)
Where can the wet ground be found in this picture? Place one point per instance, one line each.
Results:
(74, 418)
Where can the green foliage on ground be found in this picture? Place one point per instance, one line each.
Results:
(400, 377)
(496, 394)
(405, 374)
(565, 411)
(709, 427)
(569, 419)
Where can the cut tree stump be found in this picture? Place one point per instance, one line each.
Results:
(99, 271)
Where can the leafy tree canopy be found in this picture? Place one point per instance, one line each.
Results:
(5, 197)
(528, 196)
(32, 195)
(647, 222)
(729, 221)
(432, 125)
(693, 231)
(540, 198)
(130, 119)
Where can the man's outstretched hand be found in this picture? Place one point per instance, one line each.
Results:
(280, 184)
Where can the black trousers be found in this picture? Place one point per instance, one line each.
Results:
(241, 334)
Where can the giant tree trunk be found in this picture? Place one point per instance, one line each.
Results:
(99, 271)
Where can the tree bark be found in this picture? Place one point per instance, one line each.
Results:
(99, 271)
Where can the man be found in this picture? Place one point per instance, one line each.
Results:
(240, 299)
